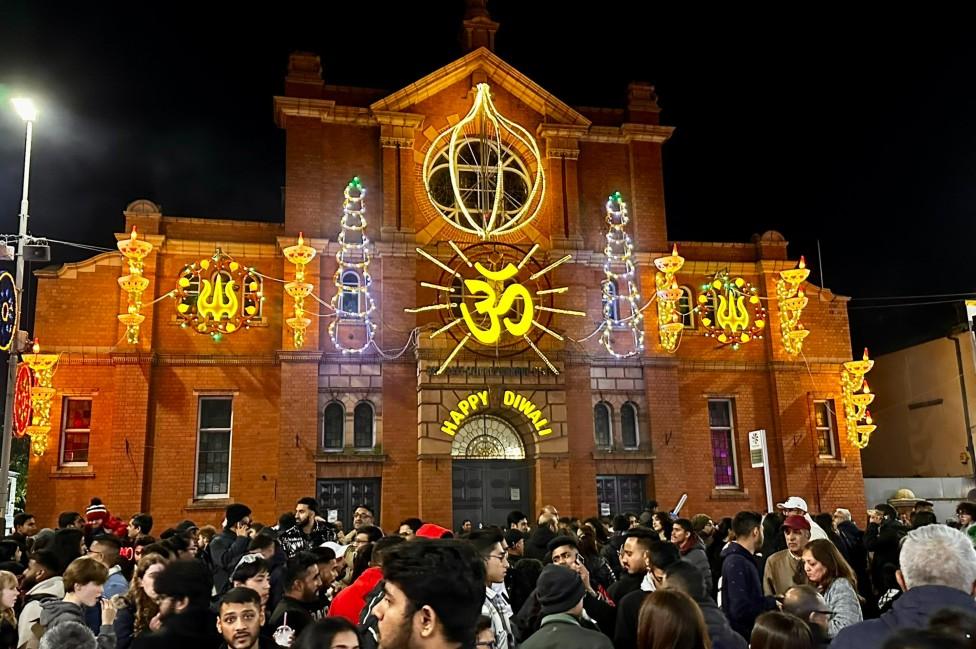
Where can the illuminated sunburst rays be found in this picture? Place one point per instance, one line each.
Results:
(503, 303)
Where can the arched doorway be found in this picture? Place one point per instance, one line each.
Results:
(490, 474)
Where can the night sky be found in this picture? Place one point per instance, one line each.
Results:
(859, 131)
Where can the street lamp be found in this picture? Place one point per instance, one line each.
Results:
(28, 112)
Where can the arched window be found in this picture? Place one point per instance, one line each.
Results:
(350, 293)
(628, 425)
(610, 303)
(601, 424)
(362, 425)
(686, 308)
(333, 426)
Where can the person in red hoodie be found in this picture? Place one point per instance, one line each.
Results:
(351, 601)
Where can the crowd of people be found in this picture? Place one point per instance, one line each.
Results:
(647, 580)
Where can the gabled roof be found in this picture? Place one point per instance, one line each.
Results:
(499, 72)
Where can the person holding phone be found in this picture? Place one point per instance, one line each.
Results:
(230, 545)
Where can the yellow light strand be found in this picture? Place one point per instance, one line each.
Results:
(430, 307)
(436, 262)
(453, 353)
(551, 266)
(437, 287)
(541, 355)
(560, 311)
(549, 331)
(528, 256)
(460, 253)
(549, 291)
(445, 327)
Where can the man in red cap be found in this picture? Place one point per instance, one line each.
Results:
(784, 569)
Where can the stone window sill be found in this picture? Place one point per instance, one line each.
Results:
(729, 494)
(623, 454)
(831, 463)
(350, 456)
(208, 503)
(72, 472)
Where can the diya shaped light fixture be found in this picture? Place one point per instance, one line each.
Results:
(484, 174)
(352, 302)
(668, 294)
(217, 296)
(732, 313)
(857, 397)
(618, 270)
(791, 302)
(299, 255)
(135, 250)
(41, 395)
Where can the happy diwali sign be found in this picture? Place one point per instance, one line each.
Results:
(478, 401)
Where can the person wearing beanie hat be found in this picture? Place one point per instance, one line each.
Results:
(560, 593)
(784, 569)
(230, 545)
(704, 528)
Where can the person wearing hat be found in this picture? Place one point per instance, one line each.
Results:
(883, 539)
(231, 544)
(795, 506)
(784, 569)
(560, 593)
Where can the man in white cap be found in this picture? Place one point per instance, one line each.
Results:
(795, 506)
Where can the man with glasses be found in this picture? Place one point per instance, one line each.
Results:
(490, 544)
(231, 544)
(361, 517)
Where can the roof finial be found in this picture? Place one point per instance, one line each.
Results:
(479, 28)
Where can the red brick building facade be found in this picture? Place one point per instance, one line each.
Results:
(180, 425)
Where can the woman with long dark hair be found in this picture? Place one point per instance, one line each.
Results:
(829, 573)
(669, 619)
(662, 524)
(136, 616)
(778, 630)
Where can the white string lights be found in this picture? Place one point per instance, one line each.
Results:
(352, 302)
(621, 310)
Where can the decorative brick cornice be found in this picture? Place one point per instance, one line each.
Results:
(325, 110)
(391, 142)
(559, 154)
(628, 133)
(194, 359)
(133, 358)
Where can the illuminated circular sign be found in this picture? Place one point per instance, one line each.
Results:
(23, 410)
(9, 312)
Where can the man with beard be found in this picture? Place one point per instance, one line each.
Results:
(637, 543)
(183, 594)
(308, 532)
(42, 582)
(240, 619)
(295, 610)
(25, 527)
(433, 594)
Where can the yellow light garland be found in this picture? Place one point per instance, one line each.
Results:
(668, 318)
(299, 255)
(41, 396)
(857, 397)
(791, 302)
(135, 250)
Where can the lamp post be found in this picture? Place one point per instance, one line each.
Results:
(28, 112)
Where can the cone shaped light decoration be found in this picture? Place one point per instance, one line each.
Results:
(791, 302)
(668, 294)
(352, 302)
(857, 397)
(621, 299)
(42, 393)
(135, 250)
(495, 169)
(299, 255)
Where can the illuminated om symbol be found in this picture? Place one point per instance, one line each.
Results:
(494, 307)
(732, 314)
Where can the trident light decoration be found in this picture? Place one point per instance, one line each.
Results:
(352, 302)
(668, 294)
(217, 296)
(484, 175)
(857, 397)
(41, 394)
(9, 311)
(135, 250)
(620, 309)
(792, 301)
(299, 255)
(732, 312)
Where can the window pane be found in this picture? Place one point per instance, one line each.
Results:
(719, 413)
(213, 463)
(722, 458)
(78, 413)
(820, 412)
(601, 424)
(215, 413)
(685, 308)
(363, 426)
(611, 305)
(334, 425)
(628, 422)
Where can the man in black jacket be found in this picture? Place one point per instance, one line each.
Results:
(741, 591)
(227, 548)
(658, 558)
(688, 579)
(633, 562)
(309, 532)
(883, 538)
(183, 592)
(535, 546)
(611, 551)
